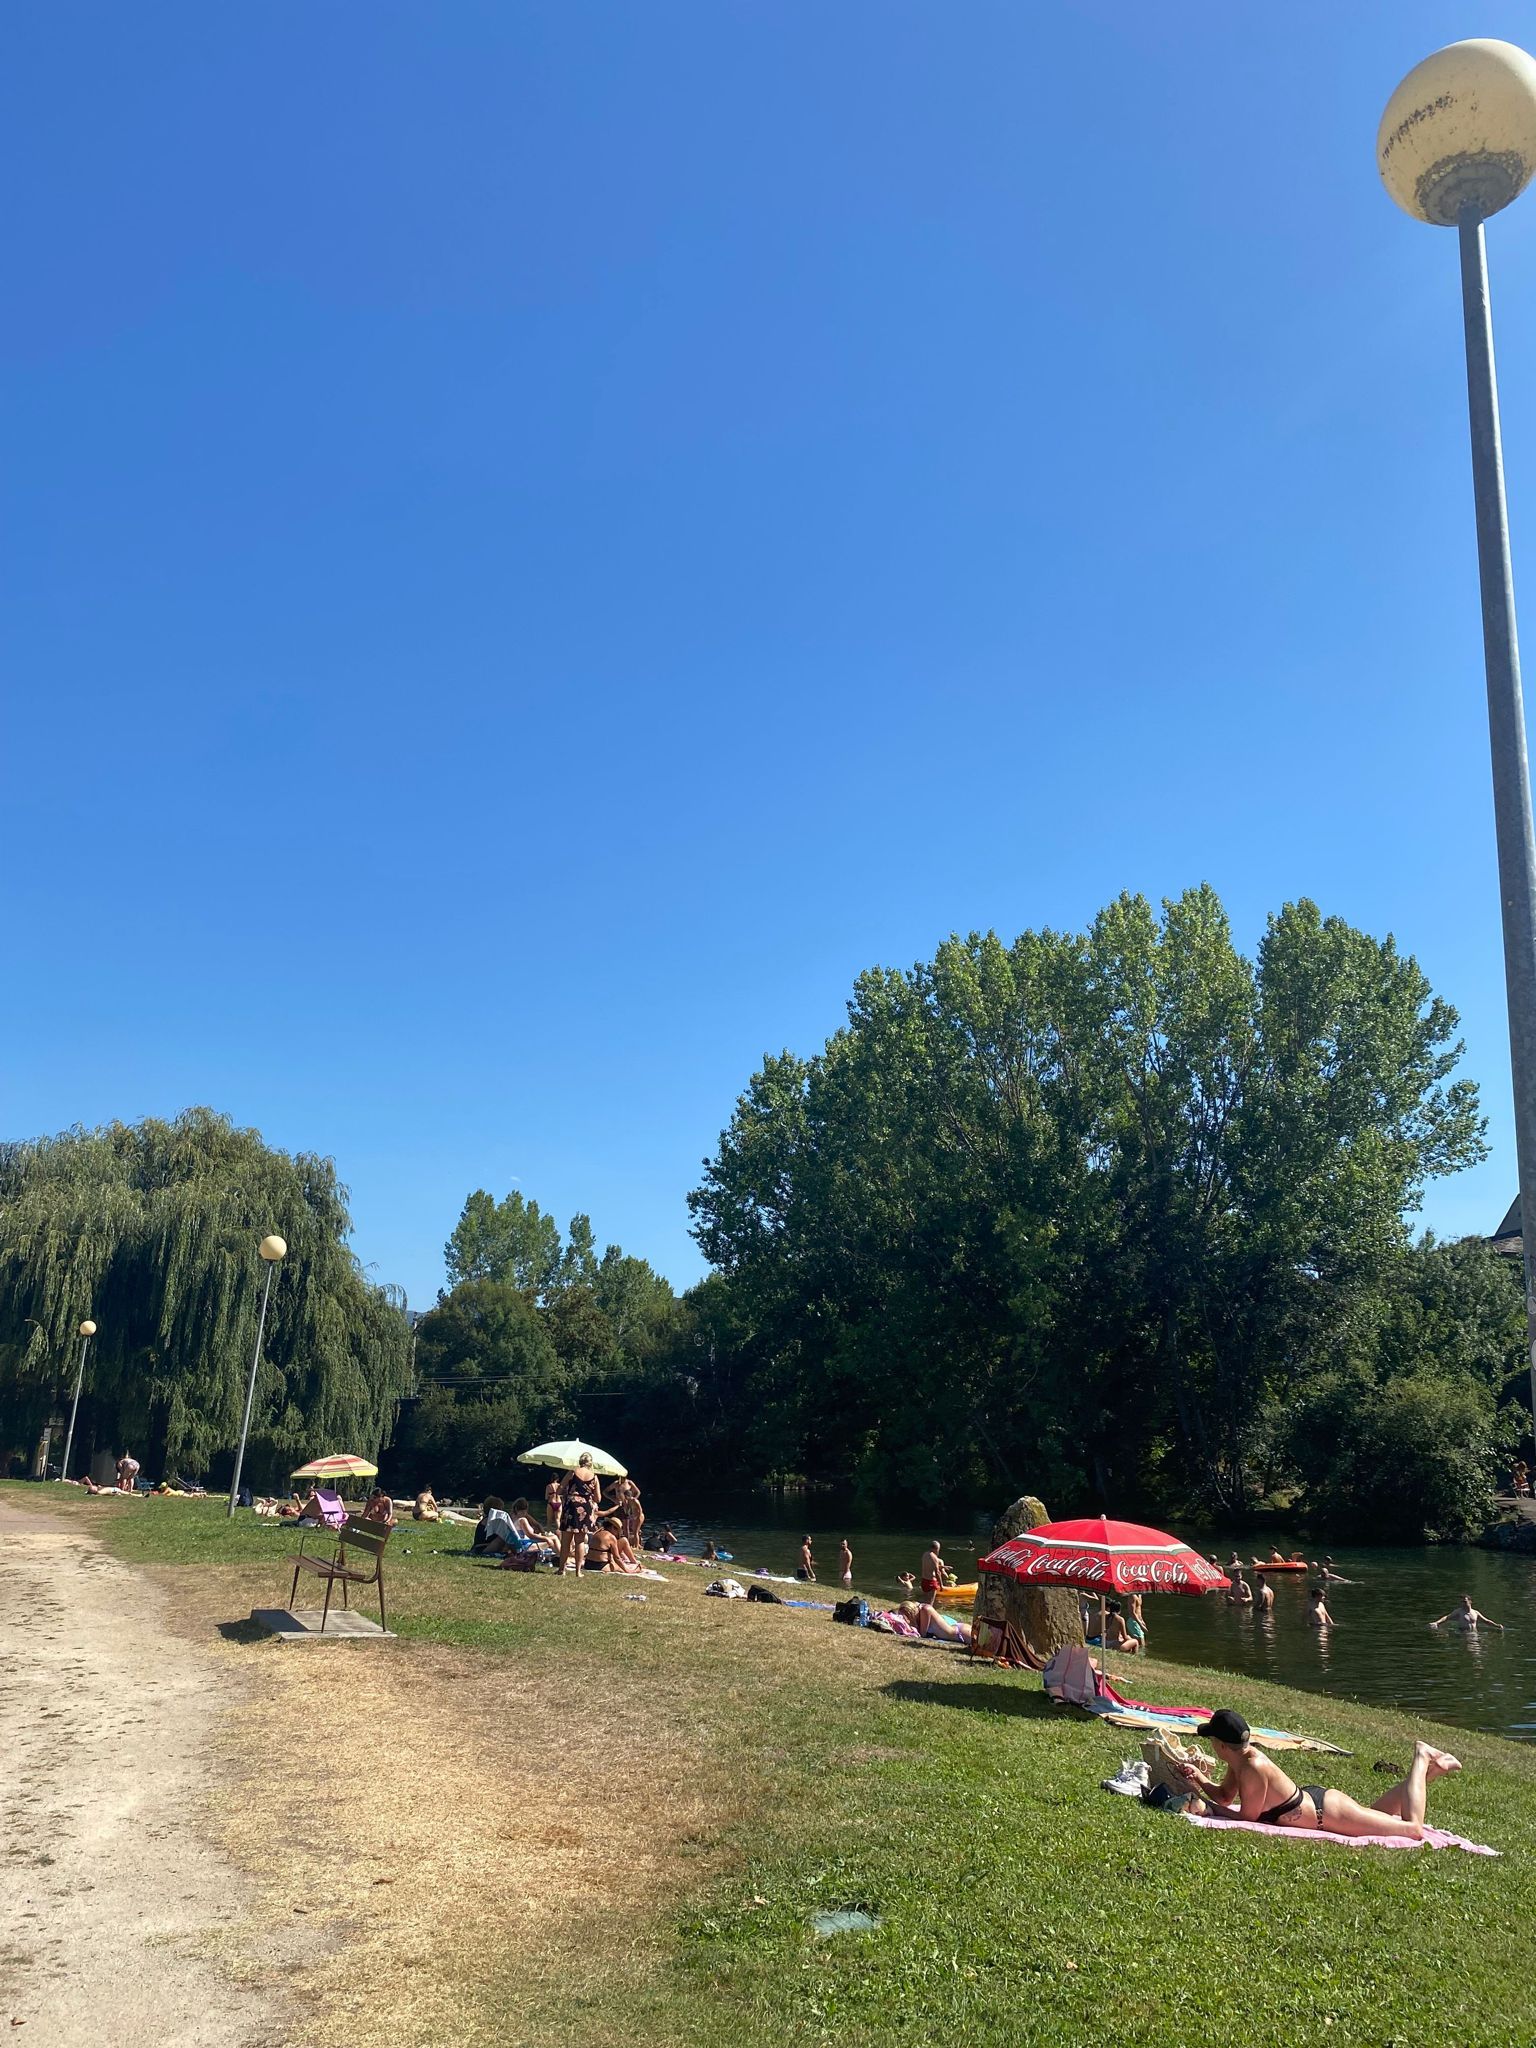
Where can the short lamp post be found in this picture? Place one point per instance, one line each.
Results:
(1456, 144)
(273, 1250)
(87, 1332)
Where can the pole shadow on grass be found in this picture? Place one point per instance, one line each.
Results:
(975, 1699)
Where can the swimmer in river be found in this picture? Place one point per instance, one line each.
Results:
(1466, 1617)
(1264, 1599)
(1317, 1610)
(1329, 1576)
(845, 1562)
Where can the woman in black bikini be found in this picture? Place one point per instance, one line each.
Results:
(1255, 1788)
(578, 1512)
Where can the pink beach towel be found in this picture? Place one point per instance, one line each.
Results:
(1432, 1838)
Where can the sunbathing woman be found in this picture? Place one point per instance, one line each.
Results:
(1255, 1788)
(928, 1621)
(426, 1508)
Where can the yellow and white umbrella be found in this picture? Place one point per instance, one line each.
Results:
(566, 1456)
(342, 1466)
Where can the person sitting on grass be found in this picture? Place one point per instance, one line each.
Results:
(603, 1546)
(622, 1555)
(1117, 1635)
(493, 1531)
(1253, 1787)
(324, 1507)
(1466, 1617)
(424, 1508)
(380, 1507)
(928, 1621)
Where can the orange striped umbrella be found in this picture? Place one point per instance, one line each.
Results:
(343, 1466)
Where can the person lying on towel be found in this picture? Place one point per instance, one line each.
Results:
(1255, 1788)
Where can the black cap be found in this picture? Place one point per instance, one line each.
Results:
(1225, 1726)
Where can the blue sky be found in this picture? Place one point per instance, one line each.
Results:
(541, 538)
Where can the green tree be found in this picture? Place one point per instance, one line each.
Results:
(1082, 1209)
(511, 1241)
(491, 1383)
(152, 1229)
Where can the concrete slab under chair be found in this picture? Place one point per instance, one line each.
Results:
(302, 1625)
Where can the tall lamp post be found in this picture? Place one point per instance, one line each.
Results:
(273, 1250)
(87, 1332)
(1456, 144)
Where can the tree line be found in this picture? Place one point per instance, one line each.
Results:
(1119, 1217)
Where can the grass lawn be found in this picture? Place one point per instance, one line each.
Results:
(793, 1766)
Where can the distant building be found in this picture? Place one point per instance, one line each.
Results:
(1507, 1238)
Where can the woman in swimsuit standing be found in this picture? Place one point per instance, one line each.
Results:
(579, 1496)
(1255, 1788)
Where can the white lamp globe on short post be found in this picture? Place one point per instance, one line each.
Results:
(87, 1332)
(274, 1250)
(1456, 144)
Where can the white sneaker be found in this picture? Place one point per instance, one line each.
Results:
(1132, 1778)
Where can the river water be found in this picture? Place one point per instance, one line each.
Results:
(1381, 1647)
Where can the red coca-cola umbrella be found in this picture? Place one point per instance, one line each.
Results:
(1104, 1557)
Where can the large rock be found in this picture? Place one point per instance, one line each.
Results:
(1045, 1617)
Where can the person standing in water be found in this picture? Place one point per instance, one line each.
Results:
(1264, 1599)
(1135, 1621)
(1317, 1611)
(1466, 1617)
(806, 1569)
(845, 1563)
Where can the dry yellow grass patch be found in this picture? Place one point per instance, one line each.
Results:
(442, 1844)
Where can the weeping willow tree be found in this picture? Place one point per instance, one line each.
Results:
(151, 1229)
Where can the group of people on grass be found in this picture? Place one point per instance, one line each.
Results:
(585, 1527)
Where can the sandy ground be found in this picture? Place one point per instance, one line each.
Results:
(115, 1903)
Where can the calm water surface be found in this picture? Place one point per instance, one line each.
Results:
(1380, 1649)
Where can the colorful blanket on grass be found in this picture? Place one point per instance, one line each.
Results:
(1120, 1712)
(1432, 1838)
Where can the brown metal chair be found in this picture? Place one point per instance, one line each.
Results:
(355, 1534)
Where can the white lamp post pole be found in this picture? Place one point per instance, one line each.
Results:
(1456, 144)
(273, 1249)
(87, 1332)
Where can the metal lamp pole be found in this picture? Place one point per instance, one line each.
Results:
(87, 1332)
(273, 1250)
(1458, 143)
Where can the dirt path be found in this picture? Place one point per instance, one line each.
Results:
(114, 1899)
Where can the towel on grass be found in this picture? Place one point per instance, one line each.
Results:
(1181, 1721)
(1432, 1838)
